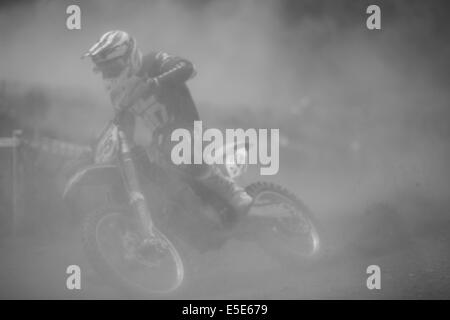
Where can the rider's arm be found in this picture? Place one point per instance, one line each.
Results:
(171, 70)
(176, 72)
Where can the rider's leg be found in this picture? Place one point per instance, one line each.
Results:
(211, 177)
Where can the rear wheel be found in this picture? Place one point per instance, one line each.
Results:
(118, 252)
(287, 230)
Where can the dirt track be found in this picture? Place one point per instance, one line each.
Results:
(406, 236)
(415, 267)
(404, 233)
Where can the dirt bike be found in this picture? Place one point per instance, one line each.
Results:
(155, 216)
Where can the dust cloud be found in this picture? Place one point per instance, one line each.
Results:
(363, 114)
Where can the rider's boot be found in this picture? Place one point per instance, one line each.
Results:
(239, 200)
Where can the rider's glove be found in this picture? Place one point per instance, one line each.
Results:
(153, 85)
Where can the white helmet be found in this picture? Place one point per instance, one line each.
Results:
(113, 45)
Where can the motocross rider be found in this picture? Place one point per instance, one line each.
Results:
(153, 87)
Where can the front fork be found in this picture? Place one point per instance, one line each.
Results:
(136, 196)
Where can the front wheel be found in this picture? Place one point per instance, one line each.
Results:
(118, 253)
(286, 228)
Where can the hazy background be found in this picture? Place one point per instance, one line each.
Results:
(364, 115)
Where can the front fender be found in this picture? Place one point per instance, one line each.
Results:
(93, 175)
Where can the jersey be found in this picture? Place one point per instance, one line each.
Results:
(172, 104)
